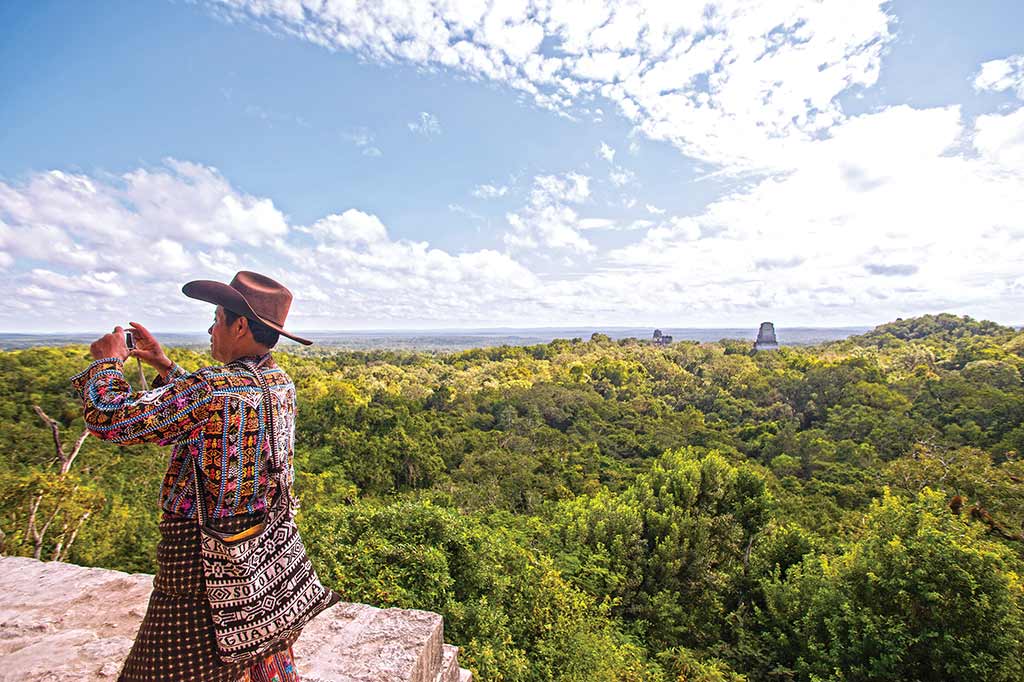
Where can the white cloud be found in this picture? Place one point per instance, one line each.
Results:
(427, 125)
(490, 191)
(37, 293)
(621, 176)
(47, 285)
(640, 224)
(548, 219)
(520, 239)
(596, 224)
(851, 219)
(344, 268)
(1000, 138)
(571, 187)
(1002, 74)
(725, 81)
(96, 243)
(609, 224)
(352, 226)
(864, 229)
(194, 201)
(400, 281)
(73, 219)
(219, 261)
(861, 230)
(363, 139)
(171, 255)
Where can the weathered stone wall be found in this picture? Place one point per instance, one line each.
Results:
(63, 623)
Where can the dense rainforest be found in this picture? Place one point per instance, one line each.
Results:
(615, 510)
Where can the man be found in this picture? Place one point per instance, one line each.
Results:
(215, 418)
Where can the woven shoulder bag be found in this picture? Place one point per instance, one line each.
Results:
(261, 586)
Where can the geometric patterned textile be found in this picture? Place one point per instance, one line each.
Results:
(213, 416)
(262, 587)
(176, 639)
(274, 668)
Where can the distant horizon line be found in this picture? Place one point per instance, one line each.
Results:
(394, 330)
(504, 329)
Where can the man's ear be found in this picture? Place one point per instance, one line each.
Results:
(241, 326)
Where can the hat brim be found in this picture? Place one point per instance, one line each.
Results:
(219, 293)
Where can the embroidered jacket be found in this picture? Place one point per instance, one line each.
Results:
(214, 415)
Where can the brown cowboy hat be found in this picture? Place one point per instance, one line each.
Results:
(250, 294)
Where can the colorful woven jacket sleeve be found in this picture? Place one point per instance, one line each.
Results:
(165, 414)
(173, 374)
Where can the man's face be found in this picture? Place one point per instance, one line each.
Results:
(220, 340)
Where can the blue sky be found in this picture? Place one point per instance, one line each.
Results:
(534, 163)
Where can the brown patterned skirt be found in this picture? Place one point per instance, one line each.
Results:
(176, 641)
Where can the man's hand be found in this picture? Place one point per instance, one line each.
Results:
(148, 350)
(109, 346)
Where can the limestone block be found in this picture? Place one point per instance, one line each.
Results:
(449, 671)
(360, 643)
(66, 623)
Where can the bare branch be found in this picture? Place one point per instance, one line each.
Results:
(74, 533)
(38, 539)
(30, 529)
(66, 464)
(65, 459)
(54, 427)
(60, 541)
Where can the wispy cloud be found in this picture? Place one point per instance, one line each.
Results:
(728, 83)
(462, 210)
(490, 191)
(363, 139)
(548, 219)
(621, 176)
(609, 224)
(426, 125)
(1002, 74)
(271, 117)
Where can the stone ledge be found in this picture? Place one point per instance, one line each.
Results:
(62, 623)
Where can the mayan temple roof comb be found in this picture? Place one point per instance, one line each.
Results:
(766, 337)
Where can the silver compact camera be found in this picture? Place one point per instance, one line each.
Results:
(129, 340)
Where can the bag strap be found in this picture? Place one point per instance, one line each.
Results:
(274, 466)
(268, 425)
(268, 416)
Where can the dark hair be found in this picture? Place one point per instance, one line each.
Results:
(261, 333)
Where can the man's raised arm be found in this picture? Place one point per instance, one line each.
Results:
(173, 411)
